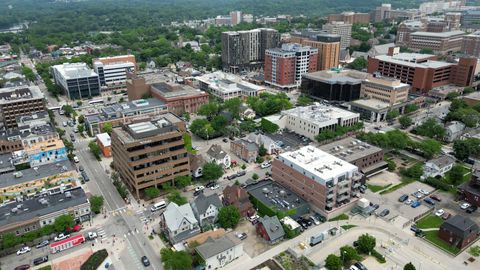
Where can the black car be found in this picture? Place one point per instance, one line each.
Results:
(225, 140)
(403, 198)
(384, 213)
(360, 266)
(210, 184)
(375, 206)
(302, 223)
(80, 168)
(471, 209)
(355, 243)
(85, 176)
(231, 177)
(40, 260)
(196, 193)
(145, 261)
(42, 244)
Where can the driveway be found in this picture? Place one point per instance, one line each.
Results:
(252, 245)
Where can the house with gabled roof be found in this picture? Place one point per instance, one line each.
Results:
(438, 166)
(218, 252)
(459, 231)
(179, 222)
(270, 229)
(206, 208)
(216, 154)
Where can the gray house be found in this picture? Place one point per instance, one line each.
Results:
(205, 208)
(179, 222)
(270, 229)
(216, 154)
(453, 130)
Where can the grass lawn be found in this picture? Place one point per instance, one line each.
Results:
(375, 188)
(474, 251)
(347, 227)
(430, 221)
(432, 237)
(188, 143)
(340, 217)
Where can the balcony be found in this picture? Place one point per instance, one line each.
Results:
(330, 195)
(329, 204)
(342, 197)
(342, 189)
(356, 185)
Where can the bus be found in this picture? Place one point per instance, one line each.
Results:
(54, 108)
(67, 243)
(95, 101)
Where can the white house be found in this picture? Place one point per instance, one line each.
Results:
(220, 251)
(269, 144)
(179, 222)
(216, 154)
(438, 166)
(205, 208)
(453, 130)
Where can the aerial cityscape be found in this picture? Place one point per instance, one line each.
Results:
(240, 135)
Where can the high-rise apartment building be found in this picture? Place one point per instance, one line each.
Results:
(382, 12)
(344, 30)
(112, 71)
(285, 66)
(327, 182)
(77, 80)
(245, 50)
(19, 101)
(148, 154)
(471, 44)
(236, 17)
(328, 46)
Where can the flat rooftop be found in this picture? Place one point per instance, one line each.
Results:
(394, 84)
(438, 34)
(75, 70)
(19, 93)
(226, 82)
(27, 175)
(373, 104)
(350, 149)
(319, 113)
(412, 60)
(36, 207)
(474, 95)
(171, 90)
(337, 76)
(163, 124)
(317, 164)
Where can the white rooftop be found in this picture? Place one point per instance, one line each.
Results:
(439, 34)
(74, 70)
(142, 127)
(225, 82)
(371, 103)
(410, 59)
(319, 113)
(319, 164)
(104, 139)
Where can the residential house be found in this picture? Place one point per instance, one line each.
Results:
(459, 231)
(217, 155)
(438, 166)
(245, 149)
(470, 191)
(453, 130)
(238, 197)
(220, 251)
(246, 112)
(270, 229)
(206, 208)
(269, 144)
(196, 164)
(179, 222)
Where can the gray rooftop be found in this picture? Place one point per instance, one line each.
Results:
(216, 152)
(131, 108)
(174, 215)
(20, 93)
(202, 202)
(460, 226)
(213, 247)
(273, 227)
(34, 208)
(74, 70)
(250, 145)
(350, 149)
(337, 76)
(169, 90)
(438, 34)
(442, 161)
(25, 131)
(31, 174)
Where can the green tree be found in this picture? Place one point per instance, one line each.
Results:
(452, 95)
(107, 128)
(175, 260)
(233, 106)
(456, 174)
(96, 203)
(409, 266)
(268, 126)
(60, 132)
(81, 119)
(63, 222)
(228, 217)
(212, 171)
(186, 116)
(427, 51)
(183, 181)
(152, 192)
(175, 196)
(333, 262)
(248, 126)
(28, 73)
(392, 114)
(81, 128)
(304, 101)
(243, 166)
(69, 111)
(467, 90)
(413, 172)
(95, 149)
(405, 121)
(463, 149)
(255, 176)
(359, 63)
(366, 243)
(430, 148)
(209, 109)
(262, 151)
(431, 128)
(79, 103)
(410, 108)
(348, 253)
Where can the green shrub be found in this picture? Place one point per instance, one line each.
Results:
(380, 258)
(95, 260)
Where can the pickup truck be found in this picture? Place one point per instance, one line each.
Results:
(61, 237)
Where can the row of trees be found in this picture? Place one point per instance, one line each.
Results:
(339, 131)
(460, 111)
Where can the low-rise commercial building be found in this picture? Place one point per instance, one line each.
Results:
(112, 71)
(105, 143)
(148, 154)
(77, 80)
(309, 121)
(472, 99)
(227, 86)
(19, 101)
(328, 183)
(368, 158)
(124, 113)
(179, 98)
(44, 152)
(34, 213)
(386, 89)
(333, 85)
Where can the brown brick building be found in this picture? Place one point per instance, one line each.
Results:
(422, 71)
(147, 154)
(439, 42)
(470, 191)
(247, 151)
(328, 46)
(459, 231)
(349, 17)
(238, 197)
(18, 101)
(471, 44)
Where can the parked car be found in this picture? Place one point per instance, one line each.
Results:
(360, 266)
(231, 177)
(40, 260)
(403, 198)
(375, 206)
(210, 184)
(446, 216)
(439, 212)
(241, 236)
(225, 140)
(199, 188)
(436, 198)
(64, 124)
(429, 201)
(415, 204)
(384, 213)
(471, 209)
(42, 244)
(80, 168)
(23, 267)
(464, 206)
(23, 250)
(355, 244)
(314, 220)
(414, 228)
(72, 137)
(216, 186)
(417, 195)
(241, 173)
(408, 202)
(91, 235)
(85, 176)
(252, 218)
(61, 237)
(266, 165)
(196, 193)
(145, 261)
(424, 192)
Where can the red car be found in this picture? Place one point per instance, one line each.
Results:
(23, 267)
(436, 198)
(75, 228)
(446, 216)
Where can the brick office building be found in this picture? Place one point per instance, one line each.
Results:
(471, 44)
(328, 183)
(349, 17)
(439, 42)
(285, 66)
(328, 46)
(18, 101)
(422, 71)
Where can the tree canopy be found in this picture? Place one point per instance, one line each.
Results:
(228, 216)
(175, 260)
(212, 171)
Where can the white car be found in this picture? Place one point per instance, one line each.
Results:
(92, 235)
(23, 250)
(464, 205)
(252, 218)
(216, 186)
(199, 188)
(61, 237)
(266, 165)
(439, 212)
(424, 192)
(64, 124)
(408, 202)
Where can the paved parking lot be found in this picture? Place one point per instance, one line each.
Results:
(390, 201)
(451, 206)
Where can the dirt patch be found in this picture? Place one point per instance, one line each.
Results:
(74, 260)
(384, 178)
(252, 245)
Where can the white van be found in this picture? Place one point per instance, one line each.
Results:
(75, 158)
(159, 205)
